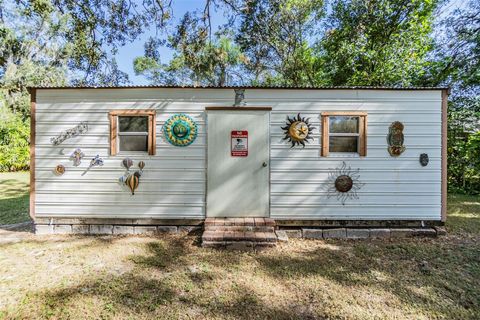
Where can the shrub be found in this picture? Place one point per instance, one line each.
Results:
(14, 144)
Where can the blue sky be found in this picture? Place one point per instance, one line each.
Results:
(129, 52)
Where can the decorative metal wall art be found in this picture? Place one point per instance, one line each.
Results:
(127, 163)
(343, 182)
(77, 156)
(59, 170)
(239, 98)
(180, 130)
(95, 162)
(395, 139)
(70, 133)
(131, 180)
(298, 130)
(424, 159)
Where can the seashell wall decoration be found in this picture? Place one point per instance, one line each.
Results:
(77, 156)
(59, 170)
(70, 133)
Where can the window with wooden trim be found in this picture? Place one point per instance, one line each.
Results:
(132, 131)
(344, 132)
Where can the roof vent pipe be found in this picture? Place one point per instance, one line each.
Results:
(239, 98)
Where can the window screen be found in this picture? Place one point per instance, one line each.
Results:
(132, 133)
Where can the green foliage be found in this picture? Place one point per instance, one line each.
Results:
(14, 142)
(197, 61)
(464, 145)
(378, 42)
(277, 36)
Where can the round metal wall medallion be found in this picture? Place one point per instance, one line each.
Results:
(180, 130)
(343, 183)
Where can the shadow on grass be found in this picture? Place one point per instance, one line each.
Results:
(14, 210)
(175, 279)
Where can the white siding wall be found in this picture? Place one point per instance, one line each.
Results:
(173, 184)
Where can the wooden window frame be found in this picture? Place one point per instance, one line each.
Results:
(362, 130)
(152, 121)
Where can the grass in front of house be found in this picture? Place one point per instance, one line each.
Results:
(14, 197)
(75, 277)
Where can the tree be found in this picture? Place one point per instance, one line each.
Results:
(198, 59)
(276, 35)
(377, 42)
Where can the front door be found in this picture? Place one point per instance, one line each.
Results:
(238, 163)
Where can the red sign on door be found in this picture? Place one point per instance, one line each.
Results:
(239, 143)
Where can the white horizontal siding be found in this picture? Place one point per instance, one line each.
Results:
(173, 184)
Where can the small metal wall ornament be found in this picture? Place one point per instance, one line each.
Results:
(343, 183)
(424, 159)
(95, 162)
(77, 156)
(395, 139)
(70, 133)
(127, 163)
(239, 98)
(298, 130)
(59, 170)
(180, 130)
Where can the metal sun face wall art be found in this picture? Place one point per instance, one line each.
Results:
(395, 139)
(298, 131)
(180, 130)
(70, 133)
(343, 183)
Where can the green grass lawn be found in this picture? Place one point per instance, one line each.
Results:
(171, 277)
(14, 197)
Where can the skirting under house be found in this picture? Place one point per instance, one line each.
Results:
(159, 158)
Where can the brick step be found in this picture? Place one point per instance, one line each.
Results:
(258, 222)
(222, 236)
(238, 245)
(240, 228)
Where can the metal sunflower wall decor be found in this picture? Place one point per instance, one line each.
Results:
(298, 130)
(343, 182)
(180, 130)
(395, 139)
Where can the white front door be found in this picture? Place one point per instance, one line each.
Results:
(238, 163)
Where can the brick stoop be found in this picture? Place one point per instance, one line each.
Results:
(239, 233)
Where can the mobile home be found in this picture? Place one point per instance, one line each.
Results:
(120, 158)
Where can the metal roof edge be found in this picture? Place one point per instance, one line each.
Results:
(240, 87)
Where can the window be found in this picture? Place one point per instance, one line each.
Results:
(344, 132)
(132, 131)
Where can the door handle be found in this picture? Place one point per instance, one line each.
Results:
(264, 164)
